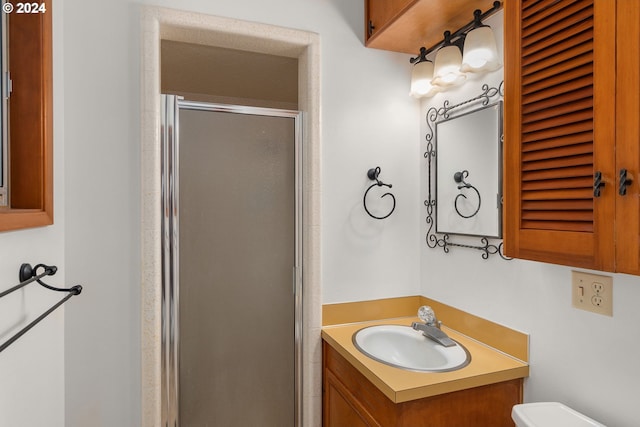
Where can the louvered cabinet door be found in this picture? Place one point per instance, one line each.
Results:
(628, 137)
(559, 131)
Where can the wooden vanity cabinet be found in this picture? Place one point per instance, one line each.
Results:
(351, 400)
(572, 110)
(406, 25)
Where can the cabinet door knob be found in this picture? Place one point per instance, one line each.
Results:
(370, 28)
(624, 182)
(597, 183)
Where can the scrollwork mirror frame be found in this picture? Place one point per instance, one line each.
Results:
(487, 245)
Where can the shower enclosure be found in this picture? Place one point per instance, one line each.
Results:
(231, 275)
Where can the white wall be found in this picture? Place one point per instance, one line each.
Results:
(584, 360)
(102, 127)
(367, 120)
(32, 368)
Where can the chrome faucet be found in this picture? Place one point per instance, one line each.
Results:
(431, 327)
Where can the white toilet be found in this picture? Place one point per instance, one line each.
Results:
(550, 414)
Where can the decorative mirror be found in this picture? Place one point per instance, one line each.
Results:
(464, 161)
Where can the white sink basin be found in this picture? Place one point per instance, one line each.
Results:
(406, 348)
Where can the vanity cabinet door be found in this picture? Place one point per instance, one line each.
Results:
(349, 398)
(560, 132)
(342, 408)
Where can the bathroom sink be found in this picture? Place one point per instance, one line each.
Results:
(406, 348)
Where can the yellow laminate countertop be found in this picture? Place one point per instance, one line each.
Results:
(487, 366)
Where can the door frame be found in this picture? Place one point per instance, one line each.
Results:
(168, 24)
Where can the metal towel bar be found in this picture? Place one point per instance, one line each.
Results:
(28, 274)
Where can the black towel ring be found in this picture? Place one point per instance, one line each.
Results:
(373, 175)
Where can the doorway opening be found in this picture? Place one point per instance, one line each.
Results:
(160, 24)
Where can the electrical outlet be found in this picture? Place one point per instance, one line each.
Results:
(592, 292)
(597, 287)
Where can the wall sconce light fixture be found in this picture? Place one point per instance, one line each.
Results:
(480, 55)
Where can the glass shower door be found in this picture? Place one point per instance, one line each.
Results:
(235, 231)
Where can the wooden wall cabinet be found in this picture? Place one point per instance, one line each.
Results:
(572, 110)
(350, 400)
(406, 25)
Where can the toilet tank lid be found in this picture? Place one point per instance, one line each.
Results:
(550, 414)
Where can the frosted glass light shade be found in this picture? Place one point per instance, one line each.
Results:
(447, 67)
(421, 76)
(480, 53)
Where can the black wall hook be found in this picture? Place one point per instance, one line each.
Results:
(373, 175)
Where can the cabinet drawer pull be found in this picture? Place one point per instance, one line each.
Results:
(624, 182)
(597, 183)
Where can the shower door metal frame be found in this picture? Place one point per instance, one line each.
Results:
(170, 286)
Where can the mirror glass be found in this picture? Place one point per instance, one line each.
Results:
(468, 173)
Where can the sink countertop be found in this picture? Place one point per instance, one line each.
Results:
(487, 366)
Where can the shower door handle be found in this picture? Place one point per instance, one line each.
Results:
(297, 278)
(293, 281)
